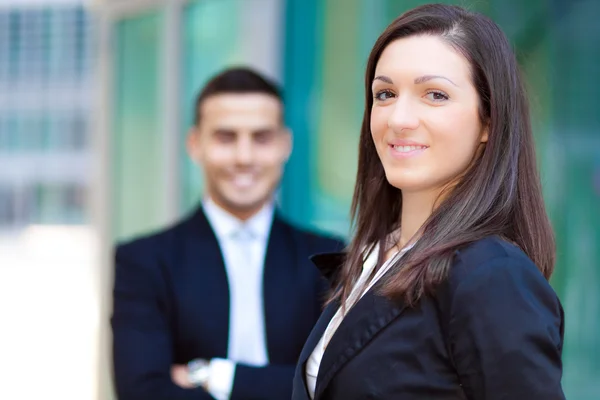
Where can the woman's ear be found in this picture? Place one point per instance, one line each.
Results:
(485, 133)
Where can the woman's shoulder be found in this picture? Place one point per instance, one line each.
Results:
(493, 276)
(494, 258)
(487, 248)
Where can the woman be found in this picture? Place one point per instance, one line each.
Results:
(443, 293)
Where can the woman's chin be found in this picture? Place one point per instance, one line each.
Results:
(406, 182)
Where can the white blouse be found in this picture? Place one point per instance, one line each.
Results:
(314, 361)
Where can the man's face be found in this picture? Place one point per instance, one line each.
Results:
(242, 147)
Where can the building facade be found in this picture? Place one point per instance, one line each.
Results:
(46, 101)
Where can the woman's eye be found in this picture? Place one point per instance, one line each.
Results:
(384, 95)
(437, 96)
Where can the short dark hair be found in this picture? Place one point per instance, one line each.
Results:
(500, 194)
(237, 80)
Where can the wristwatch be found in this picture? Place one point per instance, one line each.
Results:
(198, 372)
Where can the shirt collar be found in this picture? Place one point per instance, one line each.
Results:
(371, 260)
(225, 225)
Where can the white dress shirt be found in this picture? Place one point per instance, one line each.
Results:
(314, 361)
(243, 244)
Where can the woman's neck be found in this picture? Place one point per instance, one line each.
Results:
(416, 209)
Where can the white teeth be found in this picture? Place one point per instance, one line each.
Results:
(406, 149)
(243, 180)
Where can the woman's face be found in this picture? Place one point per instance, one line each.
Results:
(424, 121)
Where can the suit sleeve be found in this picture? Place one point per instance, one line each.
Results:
(506, 333)
(142, 343)
(271, 382)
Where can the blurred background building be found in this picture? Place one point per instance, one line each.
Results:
(48, 295)
(45, 103)
(96, 99)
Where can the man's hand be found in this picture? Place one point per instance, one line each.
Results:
(180, 376)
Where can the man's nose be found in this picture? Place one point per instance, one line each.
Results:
(244, 152)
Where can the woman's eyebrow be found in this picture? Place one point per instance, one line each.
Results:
(426, 78)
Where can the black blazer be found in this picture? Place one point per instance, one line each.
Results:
(171, 305)
(493, 331)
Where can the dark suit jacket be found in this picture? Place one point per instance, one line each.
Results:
(171, 305)
(493, 331)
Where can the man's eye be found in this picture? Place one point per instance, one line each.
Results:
(263, 137)
(225, 136)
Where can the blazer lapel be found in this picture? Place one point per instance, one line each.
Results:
(368, 317)
(202, 255)
(328, 264)
(311, 343)
(277, 284)
(318, 331)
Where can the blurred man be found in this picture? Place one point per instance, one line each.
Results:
(220, 304)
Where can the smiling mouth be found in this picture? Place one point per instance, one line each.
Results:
(244, 180)
(408, 149)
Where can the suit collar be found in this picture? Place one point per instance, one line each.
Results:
(367, 318)
(201, 255)
(329, 264)
(199, 223)
(364, 321)
(309, 346)
(281, 264)
(224, 224)
(279, 276)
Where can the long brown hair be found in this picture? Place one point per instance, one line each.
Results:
(500, 194)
